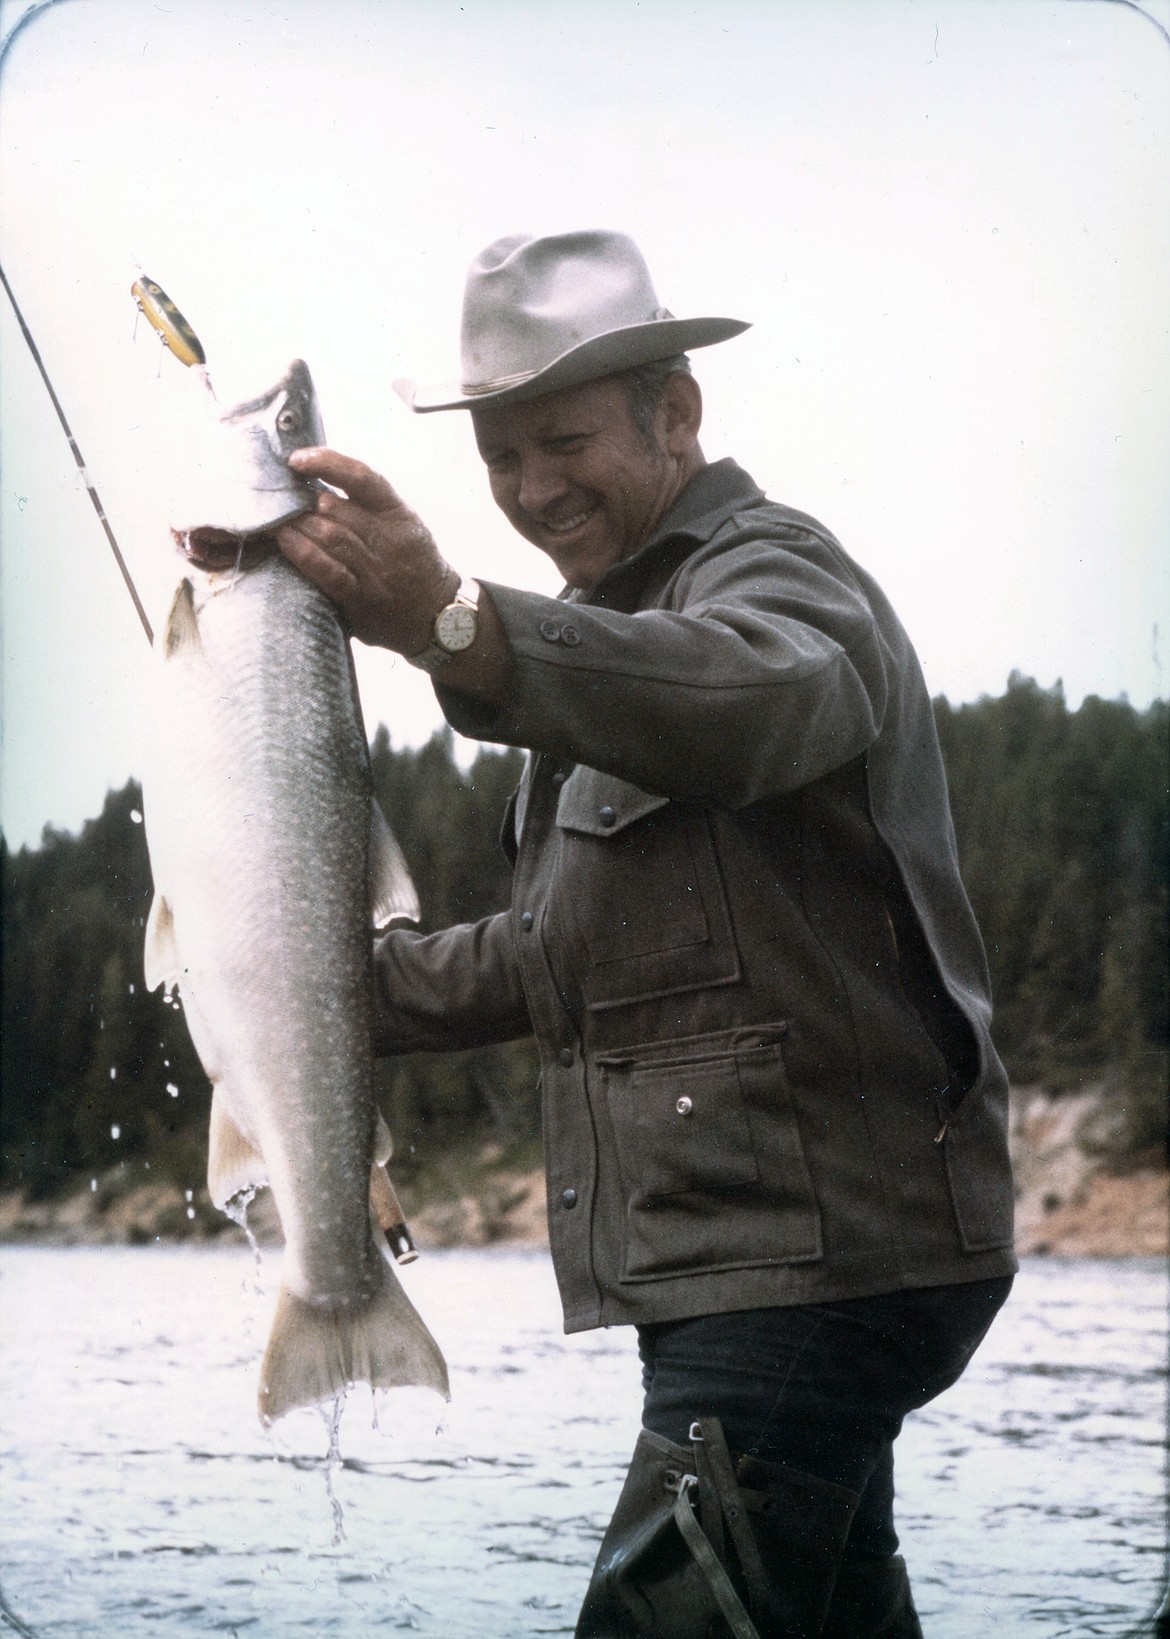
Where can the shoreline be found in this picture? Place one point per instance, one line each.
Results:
(1075, 1195)
(1080, 1192)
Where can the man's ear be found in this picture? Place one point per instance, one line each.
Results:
(680, 413)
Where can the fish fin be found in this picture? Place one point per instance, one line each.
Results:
(316, 1353)
(383, 1143)
(182, 628)
(392, 895)
(160, 956)
(234, 1164)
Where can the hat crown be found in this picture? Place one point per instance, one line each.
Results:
(528, 301)
(543, 314)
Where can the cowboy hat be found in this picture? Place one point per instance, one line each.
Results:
(541, 314)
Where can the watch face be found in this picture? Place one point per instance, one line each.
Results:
(455, 628)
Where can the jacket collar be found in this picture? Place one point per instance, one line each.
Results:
(715, 494)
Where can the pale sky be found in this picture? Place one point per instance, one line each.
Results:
(946, 219)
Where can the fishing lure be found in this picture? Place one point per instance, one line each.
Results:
(162, 315)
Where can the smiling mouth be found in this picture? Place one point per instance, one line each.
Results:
(569, 524)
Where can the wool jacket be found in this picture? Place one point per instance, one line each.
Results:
(738, 933)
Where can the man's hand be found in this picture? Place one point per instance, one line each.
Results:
(378, 562)
(369, 553)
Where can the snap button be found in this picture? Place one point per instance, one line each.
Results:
(570, 636)
(568, 1199)
(684, 1105)
(526, 921)
(550, 630)
(566, 1057)
(607, 816)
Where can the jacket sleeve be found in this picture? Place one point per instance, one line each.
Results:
(763, 670)
(457, 988)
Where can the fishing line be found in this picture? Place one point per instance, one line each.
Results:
(236, 570)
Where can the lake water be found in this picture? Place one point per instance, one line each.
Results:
(140, 1497)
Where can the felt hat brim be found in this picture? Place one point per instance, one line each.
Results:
(604, 355)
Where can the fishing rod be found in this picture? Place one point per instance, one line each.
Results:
(178, 338)
(91, 488)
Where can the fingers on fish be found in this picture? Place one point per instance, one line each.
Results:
(359, 482)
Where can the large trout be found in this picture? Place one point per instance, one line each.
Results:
(269, 858)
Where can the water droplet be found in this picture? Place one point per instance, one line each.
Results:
(93, 1186)
(115, 1132)
(113, 1072)
(132, 990)
(332, 1418)
(190, 1212)
(135, 817)
(237, 1210)
(190, 1194)
(172, 1089)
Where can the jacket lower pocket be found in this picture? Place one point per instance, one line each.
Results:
(975, 1151)
(709, 1152)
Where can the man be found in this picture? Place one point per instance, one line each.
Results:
(774, 1119)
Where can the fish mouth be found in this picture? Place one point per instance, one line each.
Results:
(214, 549)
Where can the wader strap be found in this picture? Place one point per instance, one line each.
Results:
(712, 1501)
(718, 1581)
(713, 1446)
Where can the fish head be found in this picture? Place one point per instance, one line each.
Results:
(237, 481)
(284, 419)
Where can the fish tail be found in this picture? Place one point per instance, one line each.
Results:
(316, 1353)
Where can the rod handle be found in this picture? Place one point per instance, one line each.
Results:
(387, 1208)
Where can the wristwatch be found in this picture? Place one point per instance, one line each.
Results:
(454, 630)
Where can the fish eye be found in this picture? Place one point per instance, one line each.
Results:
(288, 421)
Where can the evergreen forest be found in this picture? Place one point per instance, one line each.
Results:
(1062, 825)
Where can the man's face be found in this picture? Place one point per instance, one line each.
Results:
(574, 475)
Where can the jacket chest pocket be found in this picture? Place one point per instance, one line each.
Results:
(709, 1152)
(640, 886)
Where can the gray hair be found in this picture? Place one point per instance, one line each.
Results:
(645, 384)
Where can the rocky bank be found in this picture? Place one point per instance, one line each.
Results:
(1078, 1194)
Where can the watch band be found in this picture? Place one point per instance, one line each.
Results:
(451, 621)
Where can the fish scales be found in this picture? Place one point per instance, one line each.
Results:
(276, 835)
(258, 812)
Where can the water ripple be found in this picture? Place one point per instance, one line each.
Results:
(143, 1499)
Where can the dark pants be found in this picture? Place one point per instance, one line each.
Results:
(821, 1388)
